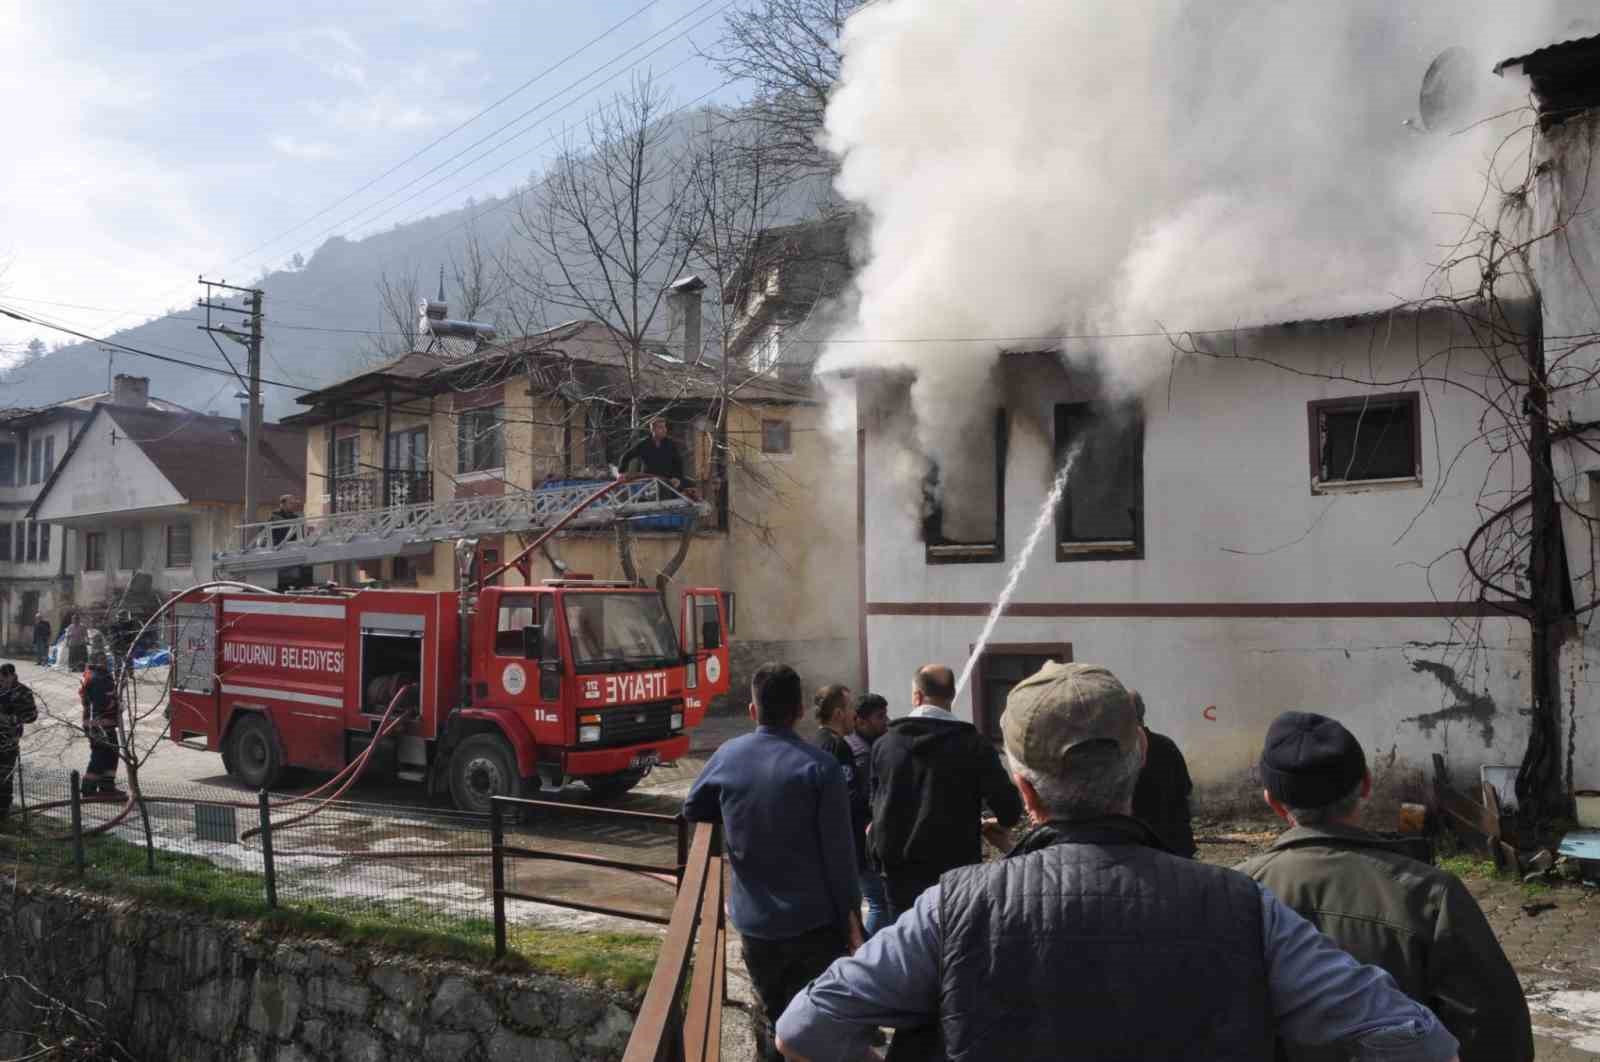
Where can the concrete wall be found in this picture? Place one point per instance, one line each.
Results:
(172, 986)
(1254, 595)
(1567, 266)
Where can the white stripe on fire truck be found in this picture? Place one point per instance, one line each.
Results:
(284, 608)
(284, 695)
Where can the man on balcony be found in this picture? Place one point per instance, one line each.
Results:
(657, 455)
(288, 509)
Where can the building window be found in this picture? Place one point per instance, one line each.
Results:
(94, 552)
(8, 465)
(479, 439)
(343, 455)
(5, 540)
(775, 437)
(33, 542)
(44, 541)
(131, 549)
(35, 461)
(408, 481)
(1365, 441)
(1101, 515)
(20, 535)
(179, 551)
(49, 455)
(1002, 667)
(973, 531)
(767, 352)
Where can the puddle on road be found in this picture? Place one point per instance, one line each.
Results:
(1569, 1015)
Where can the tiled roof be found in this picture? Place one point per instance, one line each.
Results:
(203, 456)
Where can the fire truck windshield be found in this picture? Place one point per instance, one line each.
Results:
(612, 632)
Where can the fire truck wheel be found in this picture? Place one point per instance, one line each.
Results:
(482, 766)
(253, 753)
(611, 786)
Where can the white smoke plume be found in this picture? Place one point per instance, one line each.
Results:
(1030, 169)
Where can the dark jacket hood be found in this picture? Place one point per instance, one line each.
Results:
(930, 735)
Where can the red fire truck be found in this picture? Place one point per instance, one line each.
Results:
(568, 679)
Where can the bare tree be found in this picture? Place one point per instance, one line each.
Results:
(480, 280)
(613, 224)
(788, 51)
(397, 328)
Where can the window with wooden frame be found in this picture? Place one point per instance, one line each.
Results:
(964, 510)
(344, 454)
(1364, 442)
(18, 538)
(180, 548)
(775, 437)
(44, 541)
(5, 540)
(1101, 515)
(479, 439)
(999, 668)
(94, 551)
(130, 550)
(35, 461)
(33, 541)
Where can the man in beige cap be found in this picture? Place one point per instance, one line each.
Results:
(1089, 941)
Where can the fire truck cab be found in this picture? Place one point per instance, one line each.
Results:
(569, 679)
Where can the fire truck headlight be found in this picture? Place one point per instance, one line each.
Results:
(677, 720)
(588, 733)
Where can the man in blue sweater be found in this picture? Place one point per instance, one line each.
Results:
(785, 813)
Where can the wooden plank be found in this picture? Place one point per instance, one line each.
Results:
(698, 1013)
(720, 981)
(658, 1012)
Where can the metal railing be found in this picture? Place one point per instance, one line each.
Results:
(666, 1029)
(407, 486)
(327, 537)
(354, 493)
(501, 853)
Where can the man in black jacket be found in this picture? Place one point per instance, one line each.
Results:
(16, 708)
(98, 695)
(933, 774)
(657, 455)
(1161, 800)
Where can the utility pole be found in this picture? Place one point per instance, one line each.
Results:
(251, 380)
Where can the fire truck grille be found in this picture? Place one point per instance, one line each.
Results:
(635, 723)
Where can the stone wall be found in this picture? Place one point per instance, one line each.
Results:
(170, 985)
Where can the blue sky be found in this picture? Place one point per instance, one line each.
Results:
(153, 142)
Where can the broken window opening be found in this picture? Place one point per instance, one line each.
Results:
(1101, 515)
(964, 507)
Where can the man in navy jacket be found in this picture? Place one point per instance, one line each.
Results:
(785, 814)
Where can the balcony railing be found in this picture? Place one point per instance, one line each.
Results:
(352, 494)
(407, 487)
(345, 535)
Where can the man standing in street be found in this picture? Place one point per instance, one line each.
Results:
(658, 455)
(872, 721)
(1089, 941)
(785, 816)
(41, 640)
(98, 695)
(1374, 901)
(1161, 799)
(77, 646)
(933, 775)
(17, 708)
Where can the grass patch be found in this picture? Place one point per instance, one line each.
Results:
(1466, 866)
(114, 867)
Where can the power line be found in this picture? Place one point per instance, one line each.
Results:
(351, 219)
(450, 133)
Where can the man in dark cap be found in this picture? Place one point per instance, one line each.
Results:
(17, 708)
(1385, 908)
(1090, 941)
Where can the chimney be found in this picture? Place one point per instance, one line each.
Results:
(683, 317)
(244, 411)
(132, 391)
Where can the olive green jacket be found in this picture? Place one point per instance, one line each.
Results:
(1415, 921)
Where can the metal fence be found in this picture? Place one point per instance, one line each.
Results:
(376, 866)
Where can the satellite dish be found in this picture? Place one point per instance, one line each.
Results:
(1449, 90)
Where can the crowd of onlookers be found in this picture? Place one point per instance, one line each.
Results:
(1098, 935)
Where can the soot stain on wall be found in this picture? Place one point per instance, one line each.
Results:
(1476, 708)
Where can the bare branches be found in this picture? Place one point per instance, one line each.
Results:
(788, 52)
(398, 299)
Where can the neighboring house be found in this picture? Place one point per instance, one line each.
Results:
(37, 559)
(778, 302)
(146, 490)
(1565, 83)
(1239, 540)
(404, 459)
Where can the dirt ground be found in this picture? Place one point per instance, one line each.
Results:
(1551, 934)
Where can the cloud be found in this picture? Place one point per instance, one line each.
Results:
(384, 112)
(295, 148)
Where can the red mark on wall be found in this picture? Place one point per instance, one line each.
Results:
(1210, 712)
